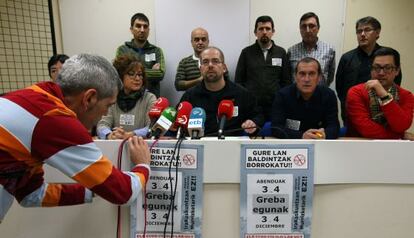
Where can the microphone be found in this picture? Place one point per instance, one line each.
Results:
(157, 108)
(196, 123)
(155, 112)
(225, 112)
(183, 115)
(164, 123)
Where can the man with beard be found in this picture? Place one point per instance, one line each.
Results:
(379, 108)
(188, 71)
(263, 68)
(214, 88)
(150, 55)
(311, 46)
(354, 66)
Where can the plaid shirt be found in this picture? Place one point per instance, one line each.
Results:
(323, 52)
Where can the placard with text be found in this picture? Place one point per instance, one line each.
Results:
(276, 191)
(169, 173)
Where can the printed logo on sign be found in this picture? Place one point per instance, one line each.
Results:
(182, 120)
(299, 160)
(195, 122)
(188, 159)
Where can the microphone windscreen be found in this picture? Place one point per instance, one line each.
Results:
(197, 117)
(183, 114)
(169, 113)
(158, 108)
(196, 122)
(226, 108)
(164, 123)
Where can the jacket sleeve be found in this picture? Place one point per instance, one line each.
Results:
(332, 122)
(180, 77)
(120, 50)
(360, 119)
(339, 80)
(156, 75)
(400, 115)
(240, 75)
(331, 67)
(70, 149)
(255, 112)
(50, 195)
(106, 123)
(286, 74)
(279, 129)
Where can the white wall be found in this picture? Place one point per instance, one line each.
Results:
(226, 21)
(100, 26)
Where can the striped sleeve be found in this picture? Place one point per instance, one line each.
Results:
(70, 149)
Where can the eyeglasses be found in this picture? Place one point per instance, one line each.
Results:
(206, 62)
(387, 68)
(365, 30)
(134, 75)
(306, 26)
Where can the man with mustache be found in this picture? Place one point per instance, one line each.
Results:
(311, 46)
(306, 109)
(150, 55)
(263, 67)
(354, 66)
(379, 108)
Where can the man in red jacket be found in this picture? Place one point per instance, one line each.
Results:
(379, 108)
(48, 123)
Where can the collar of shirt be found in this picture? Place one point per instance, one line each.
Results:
(197, 59)
(314, 94)
(315, 48)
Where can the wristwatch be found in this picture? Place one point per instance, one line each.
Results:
(386, 99)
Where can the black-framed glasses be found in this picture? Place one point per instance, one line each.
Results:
(386, 68)
(133, 74)
(207, 62)
(365, 30)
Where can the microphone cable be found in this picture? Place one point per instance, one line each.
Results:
(233, 130)
(281, 134)
(144, 193)
(172, 193)
(119, 166)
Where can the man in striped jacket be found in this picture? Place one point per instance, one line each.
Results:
(48, 123)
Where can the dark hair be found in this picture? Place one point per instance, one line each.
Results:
(309, 15)
(139, 16)
(309, 60)
(384, 51)
(263, 19)
(124, 63)
(56, 58)
(369, 20)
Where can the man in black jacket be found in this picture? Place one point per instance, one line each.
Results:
(263, 68)
(215, 88)
(355, 65)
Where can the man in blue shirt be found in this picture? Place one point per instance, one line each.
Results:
(305, 109)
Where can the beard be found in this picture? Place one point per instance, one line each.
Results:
(211, 77)
(264, 40)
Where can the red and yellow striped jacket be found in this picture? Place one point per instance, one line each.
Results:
(36, 128)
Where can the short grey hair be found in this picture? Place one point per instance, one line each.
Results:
(84, 71)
